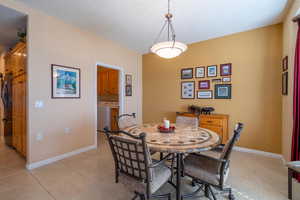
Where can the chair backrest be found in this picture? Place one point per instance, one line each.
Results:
(187, 121)
(131, 155)
(126, 120)
(230, 144)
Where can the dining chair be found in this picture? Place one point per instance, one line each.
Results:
(126, 120)
(134, 167)
(212, 171)
(293, 167)
(187, 121)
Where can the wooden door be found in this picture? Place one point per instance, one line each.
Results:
(19, 114)
(113, 77)
(114, 115)
(103, 76)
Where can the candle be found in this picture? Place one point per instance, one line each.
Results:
(167, 124)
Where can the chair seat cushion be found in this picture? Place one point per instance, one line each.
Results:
(295, 165)
(161, 175)
(204, 169)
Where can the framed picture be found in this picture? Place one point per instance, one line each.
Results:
(204, 84)
(200, 72)
(285, 79)
(226, 79)
(65, 82)
(285, 63)
(225, 69)
(216, 80)
(223, 91)
(204, 94)
(212, 71)
(128, 90)
(187, 73)
(128, 79)
(188, 89)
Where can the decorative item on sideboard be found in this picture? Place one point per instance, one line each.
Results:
(197, 110)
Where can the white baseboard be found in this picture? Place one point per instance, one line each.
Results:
(60, 157)
(263, 153)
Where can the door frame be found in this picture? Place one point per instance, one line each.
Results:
(121, 87)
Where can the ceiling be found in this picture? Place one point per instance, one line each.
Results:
(10, 21)
(136, 23)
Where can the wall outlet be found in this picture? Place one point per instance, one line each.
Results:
(39, 136)
(39, 104)
(67, 130)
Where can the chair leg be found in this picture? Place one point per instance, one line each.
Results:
(142, 197)
(206, 191)
(290, 183)
(230, 195)
(212, 193)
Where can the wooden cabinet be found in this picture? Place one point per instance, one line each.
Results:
(108, 82)
(114, 115)
(15, 63)
(217, 123)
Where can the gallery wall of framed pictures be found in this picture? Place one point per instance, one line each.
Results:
(207, 82)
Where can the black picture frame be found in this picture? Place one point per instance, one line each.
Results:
(208, 72)
(226, 92)
(285, 82)
(190, 74)
(128, 90)
(54, 77)
(285, 63)
(185, 92)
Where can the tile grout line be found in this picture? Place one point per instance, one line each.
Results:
(53, 197)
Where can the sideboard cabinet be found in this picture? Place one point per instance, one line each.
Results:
(215, 122)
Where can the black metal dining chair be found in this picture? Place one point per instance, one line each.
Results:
(211, 171)
(126, 120)
(134, 167)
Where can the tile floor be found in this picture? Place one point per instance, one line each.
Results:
(89, 176)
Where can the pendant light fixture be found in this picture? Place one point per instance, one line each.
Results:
(170, 48)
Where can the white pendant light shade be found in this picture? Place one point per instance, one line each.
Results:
(169, 49)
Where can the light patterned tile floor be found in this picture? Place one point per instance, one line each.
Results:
(90, 176)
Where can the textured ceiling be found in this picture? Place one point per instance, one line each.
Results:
(10, 22)
(136, 23)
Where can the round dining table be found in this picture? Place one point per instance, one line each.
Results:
(184, 140)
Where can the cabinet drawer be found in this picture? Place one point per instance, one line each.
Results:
(216, 129)
(211, 121)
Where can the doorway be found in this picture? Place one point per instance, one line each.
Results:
(13, 87)
(109, 96)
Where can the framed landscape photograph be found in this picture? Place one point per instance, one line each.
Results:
(204, 84)
(187, 73)
(285, 79)
(212, 71)
(207, 94)
(223, 91)
(285, 63)
(225, 69)
(188, 90)
(65, 81)
(200, 72)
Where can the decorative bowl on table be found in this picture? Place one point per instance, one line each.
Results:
(162, 129)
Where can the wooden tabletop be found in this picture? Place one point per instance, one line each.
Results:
(185, 139)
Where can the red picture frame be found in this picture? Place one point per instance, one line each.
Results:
(205, 84)
(226, 69)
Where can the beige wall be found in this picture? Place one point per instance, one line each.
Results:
(256, 58)
(53, 41)
(289, 43)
